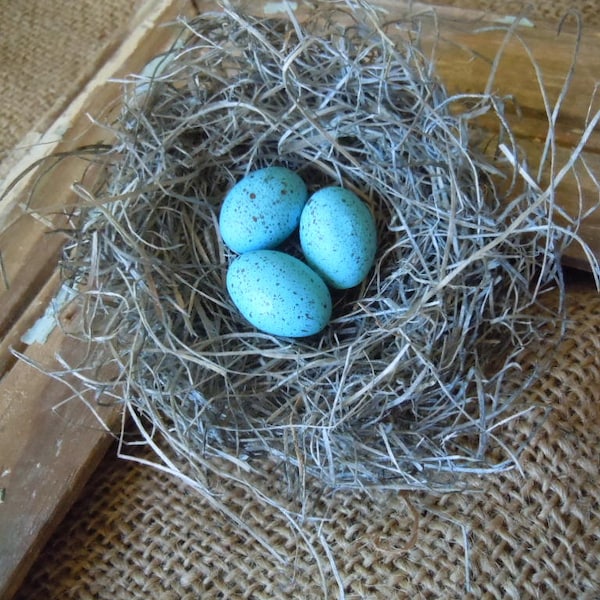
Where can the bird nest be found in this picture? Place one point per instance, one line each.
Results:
(415, 378)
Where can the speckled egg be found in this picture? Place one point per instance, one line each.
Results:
(278, 293)
(338, 236)
(262, 210)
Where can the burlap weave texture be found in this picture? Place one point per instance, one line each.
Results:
(48, 51)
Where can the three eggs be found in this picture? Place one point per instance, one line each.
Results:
(276, 292)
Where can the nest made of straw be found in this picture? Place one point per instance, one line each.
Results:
(418, 369)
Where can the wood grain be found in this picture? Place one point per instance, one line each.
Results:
(45, 456)
(464, 55)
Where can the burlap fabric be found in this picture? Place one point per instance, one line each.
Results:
(48, 51)
(137, 533)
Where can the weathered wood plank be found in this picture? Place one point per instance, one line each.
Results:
(45, 456)
(465, 71)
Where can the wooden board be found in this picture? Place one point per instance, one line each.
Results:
(464, 55)
(45, 455)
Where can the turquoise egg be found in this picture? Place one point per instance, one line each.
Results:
(338, 236)
(278, 293)
(262, 210)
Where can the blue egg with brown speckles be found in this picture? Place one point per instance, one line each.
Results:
(262, 210)
(279, 294)
(338, 236)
